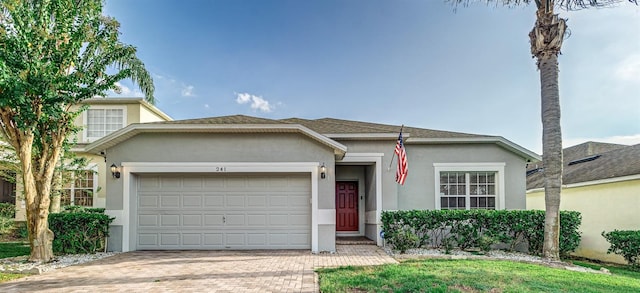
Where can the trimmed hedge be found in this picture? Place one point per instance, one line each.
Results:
(79, 230)
(625, 243)
(476, 229)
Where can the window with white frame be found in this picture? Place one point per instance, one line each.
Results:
(468, 190)
(79, 188)
(102, 121)
(469, 186)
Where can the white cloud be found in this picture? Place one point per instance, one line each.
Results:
(629, 68)
(257, 102)
(206, 106)
(187, 91)
(125, 91)
(620, 139)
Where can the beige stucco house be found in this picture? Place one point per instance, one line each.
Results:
(601, 181)
(241, 182)
(104, 116)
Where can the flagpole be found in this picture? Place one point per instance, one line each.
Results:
(394, 152)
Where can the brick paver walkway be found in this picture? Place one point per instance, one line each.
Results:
(200, 271)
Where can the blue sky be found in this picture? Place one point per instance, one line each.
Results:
(412, 62)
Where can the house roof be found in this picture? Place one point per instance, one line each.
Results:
(591, 161)
(324, 130)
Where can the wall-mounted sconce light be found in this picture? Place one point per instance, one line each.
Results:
(115, 171)
(323, 171)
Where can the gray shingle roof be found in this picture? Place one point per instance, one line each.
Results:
(614, 161)
(232, 119)
(329, 126)
(338, 126)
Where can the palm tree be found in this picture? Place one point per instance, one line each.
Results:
(546, 41)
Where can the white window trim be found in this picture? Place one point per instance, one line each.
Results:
(472, 167)
(85, 120)
(90, 167)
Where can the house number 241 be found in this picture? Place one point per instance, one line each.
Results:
(221, 169)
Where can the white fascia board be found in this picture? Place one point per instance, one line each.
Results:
(593, 182)
(365, 136)
(133, 129)
(499, 140)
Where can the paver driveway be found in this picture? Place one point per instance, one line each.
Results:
(200, 271)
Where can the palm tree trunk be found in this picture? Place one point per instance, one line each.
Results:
(546, 42)
(551, 154)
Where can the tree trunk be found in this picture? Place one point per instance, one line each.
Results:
(546, 41)
(37, 208)
(56, 193)
(551, 155)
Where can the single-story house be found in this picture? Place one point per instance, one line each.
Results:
(602, 182)
(241, 182)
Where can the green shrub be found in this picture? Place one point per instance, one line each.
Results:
(7, 210)
(466, 228)
(625, 243)
(20, 230)
(79, 230)
(6, 225)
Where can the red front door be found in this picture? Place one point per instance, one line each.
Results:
(346, 206)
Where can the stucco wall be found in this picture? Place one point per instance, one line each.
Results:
(209, 147)
(419, 189)
(604, 207)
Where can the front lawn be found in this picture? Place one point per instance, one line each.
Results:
(469, 276)
(11, 249)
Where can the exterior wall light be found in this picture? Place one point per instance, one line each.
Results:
(115, 171)
(323, 171)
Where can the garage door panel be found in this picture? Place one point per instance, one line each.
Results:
(257, 220)
(192, 239)
(299, 220)
(169, 183)
(148, 201)
(194, 201)
(148, 239)
(235, 220)
(213, 200)
(224, 212)
(170, 220)
(298, 200)
(192, 220)
(170, 239)
(278, 201)
(235, 201)
(170, 201)
(148, 220)
(257, 201)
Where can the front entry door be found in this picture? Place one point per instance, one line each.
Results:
(347, 206)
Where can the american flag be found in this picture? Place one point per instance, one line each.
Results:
(403, 167)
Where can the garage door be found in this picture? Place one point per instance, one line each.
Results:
(223, 212)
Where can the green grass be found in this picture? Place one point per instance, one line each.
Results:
(621, 270)
(11, 249)
(470, 276)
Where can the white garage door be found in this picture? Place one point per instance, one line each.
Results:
(223, 212)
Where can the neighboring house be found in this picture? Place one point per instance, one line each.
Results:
(104, 116)
(601, 181)
(240, 182)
